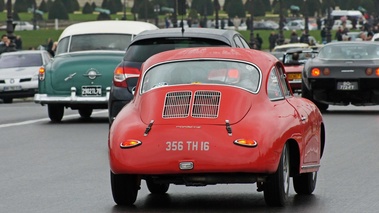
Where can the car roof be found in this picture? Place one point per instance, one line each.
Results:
(222, 35)
(107, 26)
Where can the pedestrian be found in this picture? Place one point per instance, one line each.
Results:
(6, 45)
(304, 37)
(339, 34)
(272, 39)
(323, 35)
(49, 46)
(258, 41)
(18, 42)
(294, 37)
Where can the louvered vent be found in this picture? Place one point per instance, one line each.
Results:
(206, 104)
(177, 104)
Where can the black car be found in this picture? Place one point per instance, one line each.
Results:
(343, 73)
(148, 43)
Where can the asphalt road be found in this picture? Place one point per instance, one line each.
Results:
(63, 167)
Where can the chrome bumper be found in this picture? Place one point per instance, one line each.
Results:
(72, 99)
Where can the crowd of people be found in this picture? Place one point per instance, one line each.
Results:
(9, 45)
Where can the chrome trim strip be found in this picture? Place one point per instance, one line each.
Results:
(311, 166)
(47, 99)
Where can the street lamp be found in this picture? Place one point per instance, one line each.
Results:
(328, 25)
(281, 24)
(306, 27)
(252, 40)
(124, 11)
(156, 11)
(10, 27)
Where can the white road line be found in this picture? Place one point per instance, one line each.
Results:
(43, 119)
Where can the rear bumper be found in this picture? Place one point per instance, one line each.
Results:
(19, 94)
(72, 99)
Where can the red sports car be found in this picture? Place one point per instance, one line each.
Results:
(215, 115)
(294, 60)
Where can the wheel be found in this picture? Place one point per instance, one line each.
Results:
(305, 93)
(7, 100)
(85, 112)
(157, 188)
(124, 188)
(276, 188)
(305, 183)
(55, 112)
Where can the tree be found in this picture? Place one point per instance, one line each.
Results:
(203, 7)
(87, 9)
(58, 11)
(2, 5)
(43, 6)
(20, 6)
(236, 10)
(258, 7)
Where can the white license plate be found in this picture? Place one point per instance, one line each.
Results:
(347, 85)
(91, 90)
(13, 88)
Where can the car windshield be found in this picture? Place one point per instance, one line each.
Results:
(142, 50)
(20, 60)
(223, 72)
(113, 42)
(350, 51)
(297, 57)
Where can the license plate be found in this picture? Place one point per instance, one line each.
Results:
(91, 90)
(347, 85)
(13, 88)
(294, 77)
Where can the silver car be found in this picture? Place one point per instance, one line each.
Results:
(19, 73)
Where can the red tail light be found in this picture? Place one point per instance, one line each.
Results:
(377, 71)
(369, 71)
(41, 74)
(315, 72)
(122, 73)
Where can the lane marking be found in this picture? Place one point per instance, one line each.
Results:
(44, 119)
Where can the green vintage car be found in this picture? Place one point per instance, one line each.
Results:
(80, 75)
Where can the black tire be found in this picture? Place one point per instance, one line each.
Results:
(85, 112)
(305, 184)
(55, 112)
(157, 188)
(8, 100)
(124, 188)
(276, 189)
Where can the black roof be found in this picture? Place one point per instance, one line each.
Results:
(216, 34)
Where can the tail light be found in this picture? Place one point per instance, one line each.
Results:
(315, 72)
(41, 73)
(377, 71)
(121, 74)
(369, 71)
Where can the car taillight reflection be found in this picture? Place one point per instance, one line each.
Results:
(122, 73)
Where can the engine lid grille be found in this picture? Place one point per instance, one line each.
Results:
(205, 104)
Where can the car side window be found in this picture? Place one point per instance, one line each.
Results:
(62, 46)
(244, 43)
(274, 90)
(284, 84)
(238, 42)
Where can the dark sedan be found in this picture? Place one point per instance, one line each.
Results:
(343, 73)
(148, 43)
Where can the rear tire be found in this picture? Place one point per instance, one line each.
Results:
(276, 189)
(85, 112)
(55, 112)
(305, 184)
(157, 188)
(305, 93)
(124, 188)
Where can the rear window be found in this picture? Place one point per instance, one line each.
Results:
(142, 50)
(20, 60)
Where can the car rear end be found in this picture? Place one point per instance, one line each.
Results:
(145, 45)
